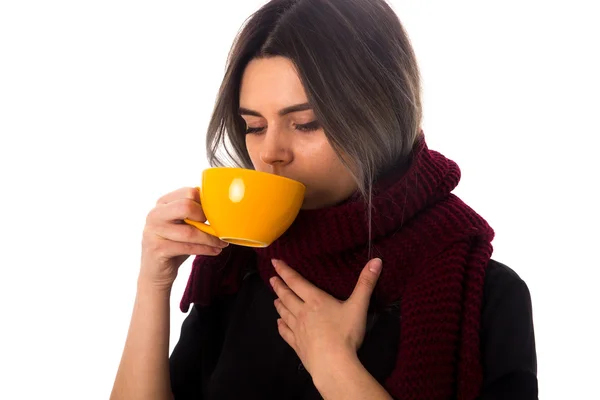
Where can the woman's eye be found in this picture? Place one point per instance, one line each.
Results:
(253, 130)
(308, 127)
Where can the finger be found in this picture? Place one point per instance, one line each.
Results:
(178, 210)
(182, 193)
(285, 314)
(286, 333)
(174, 249)
(296, 282)
(161, 217)
(287, 296)
(184, 233)
(366, 283)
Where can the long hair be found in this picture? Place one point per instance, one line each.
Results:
(359, 71)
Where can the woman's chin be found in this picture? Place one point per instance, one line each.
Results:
(309, 203)
(306, 206)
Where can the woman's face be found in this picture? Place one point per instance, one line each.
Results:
(283, 136)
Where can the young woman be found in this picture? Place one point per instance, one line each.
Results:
(383, 287)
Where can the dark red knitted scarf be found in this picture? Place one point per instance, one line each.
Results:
(434, 249)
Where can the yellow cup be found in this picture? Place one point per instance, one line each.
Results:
(247, 207)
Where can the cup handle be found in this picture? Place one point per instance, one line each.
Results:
(201, 225)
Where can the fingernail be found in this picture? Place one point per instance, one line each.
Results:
(224, 244)
(376, 265)
(272, 281)
(274, 261)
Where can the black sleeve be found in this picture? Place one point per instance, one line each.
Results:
(197, 352)
(507, 338)
(185, 363)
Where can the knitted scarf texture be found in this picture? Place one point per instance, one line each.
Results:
(434, 249)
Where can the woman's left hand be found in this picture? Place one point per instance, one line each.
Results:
(320, 328)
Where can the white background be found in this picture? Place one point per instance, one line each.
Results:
(104, 107)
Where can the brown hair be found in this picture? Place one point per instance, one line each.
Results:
(359, 71)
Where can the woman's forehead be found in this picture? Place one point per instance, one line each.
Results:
(271, 84)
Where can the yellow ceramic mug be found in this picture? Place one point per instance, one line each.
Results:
(247, 207)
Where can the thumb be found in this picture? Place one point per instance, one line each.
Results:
(366, 283)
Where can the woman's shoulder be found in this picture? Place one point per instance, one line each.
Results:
(507, 335)
(504, 292)
(499, 278)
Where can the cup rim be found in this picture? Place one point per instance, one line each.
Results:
(259, 172)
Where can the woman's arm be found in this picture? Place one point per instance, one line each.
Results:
(348, 380)
(144, 369)
(507, 337)
(166, 244)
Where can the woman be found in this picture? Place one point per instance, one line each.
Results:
(384, 285)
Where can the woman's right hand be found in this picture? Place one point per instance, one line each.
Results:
(168, 241)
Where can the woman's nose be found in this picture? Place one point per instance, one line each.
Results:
(275, 150)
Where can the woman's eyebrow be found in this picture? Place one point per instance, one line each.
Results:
(282, 112)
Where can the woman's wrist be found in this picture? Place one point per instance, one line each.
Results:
(344, 377)
(151, 287)
(333, 367)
